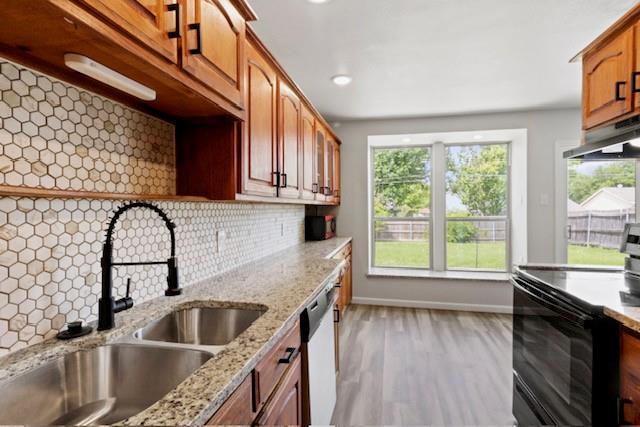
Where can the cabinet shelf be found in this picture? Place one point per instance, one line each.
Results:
(16, 191)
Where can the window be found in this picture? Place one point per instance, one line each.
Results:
(443, 203)
(477, 204)
(601, 198)
(401, 206)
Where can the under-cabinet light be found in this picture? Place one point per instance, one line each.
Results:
(106, 75)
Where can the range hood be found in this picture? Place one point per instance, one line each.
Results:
(618, 141)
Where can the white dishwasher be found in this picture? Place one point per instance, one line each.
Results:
(317, 331)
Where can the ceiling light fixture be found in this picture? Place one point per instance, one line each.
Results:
(318, 1)
(478, 137)
(106, 75)
(341, 79)
(406, 140)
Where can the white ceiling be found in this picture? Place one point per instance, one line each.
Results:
(434, 57)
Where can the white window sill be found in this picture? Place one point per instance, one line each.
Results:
(488, 276)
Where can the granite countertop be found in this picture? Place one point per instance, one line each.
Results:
(283, 283)
(627, 316)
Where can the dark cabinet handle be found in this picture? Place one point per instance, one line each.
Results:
(198, 49)
(277, 180)
(175, 7)
(619, 86)
(336, 317)
(314, 188)
(327, 191)
(621, 402)
(634, 82)
(290, 355)
(283, 180)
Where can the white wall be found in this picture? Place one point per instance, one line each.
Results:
(544, 128)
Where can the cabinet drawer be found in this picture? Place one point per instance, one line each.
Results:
(271, 368)
(285, 408)
(238, 409)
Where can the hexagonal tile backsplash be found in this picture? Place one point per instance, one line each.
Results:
(50, 249)
(56, 136)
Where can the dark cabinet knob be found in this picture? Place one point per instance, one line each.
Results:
(198, 49)
(290, 355)
(175, 7)
(619, 87)
(634, 82)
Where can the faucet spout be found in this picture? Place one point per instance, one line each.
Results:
(107, 305)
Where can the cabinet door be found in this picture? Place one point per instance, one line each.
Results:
(213, 48)
(285, 407)
(289, 148)
(259, 146)
(310, 186)
(607, 92)
(336, 173)
(238, 409)
(328, 170)
(630, 377)
(153, 22)
(320, 162)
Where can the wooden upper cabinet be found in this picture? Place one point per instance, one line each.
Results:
(213, 48)
(607, 86)
(320, 161)
(308, 134)
(336, 172)
(290, 147)
(329, 159)
(153, 22)
(259, 139)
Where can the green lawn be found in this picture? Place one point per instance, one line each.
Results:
(594, 256)
(459, 255)
(482, 255)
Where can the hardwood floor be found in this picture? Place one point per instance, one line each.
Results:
(412, 366)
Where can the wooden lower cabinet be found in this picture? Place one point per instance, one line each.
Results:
(272, 394)
(629, 377)
(238, 409)
(346, 280)
(285, 407)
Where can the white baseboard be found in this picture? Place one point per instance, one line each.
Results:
(435, 305)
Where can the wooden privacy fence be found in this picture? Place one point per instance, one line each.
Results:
(598, 228)
(418, 230)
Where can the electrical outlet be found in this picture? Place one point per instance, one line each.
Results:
(220, 237)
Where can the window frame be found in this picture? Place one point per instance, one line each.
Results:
(373, 218)
(506, 218)
(514, 139)
(561, 243)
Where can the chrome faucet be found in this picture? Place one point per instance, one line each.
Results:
(107, 306)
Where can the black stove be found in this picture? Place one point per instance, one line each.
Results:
(565, 350)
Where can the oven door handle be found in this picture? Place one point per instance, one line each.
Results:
(578, 319)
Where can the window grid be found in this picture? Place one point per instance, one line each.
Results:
(433, 223)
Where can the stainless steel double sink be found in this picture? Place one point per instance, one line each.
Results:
(110, 383)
